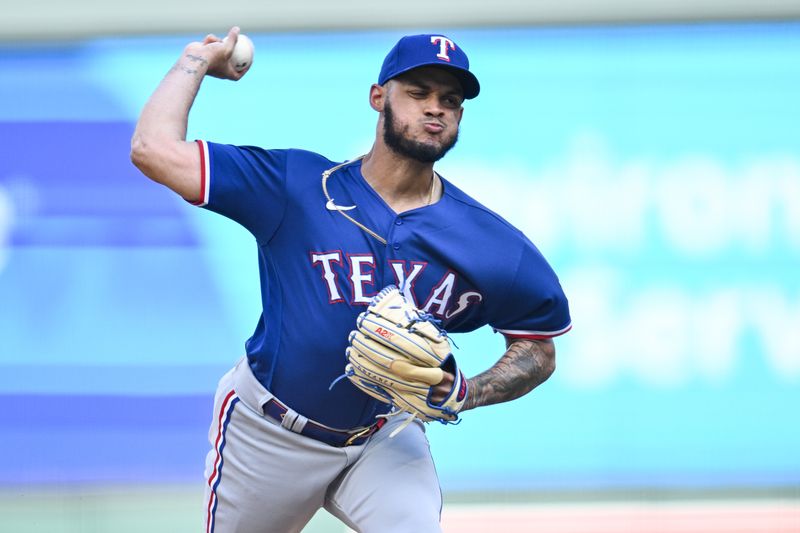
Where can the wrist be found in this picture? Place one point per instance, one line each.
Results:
(471, 401)
(193, 62)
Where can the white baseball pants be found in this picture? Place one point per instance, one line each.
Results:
(263, 478)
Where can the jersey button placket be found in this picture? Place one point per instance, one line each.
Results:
(397, 222)
(400, 242)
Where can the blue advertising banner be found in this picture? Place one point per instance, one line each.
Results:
(657, 167)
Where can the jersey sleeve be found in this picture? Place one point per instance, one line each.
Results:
(535, 306)
(244, 183)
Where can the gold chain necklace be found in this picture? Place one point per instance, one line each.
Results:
(430, 192)
(341, 209)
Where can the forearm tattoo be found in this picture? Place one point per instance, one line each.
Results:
(525, 365)
(191, 67)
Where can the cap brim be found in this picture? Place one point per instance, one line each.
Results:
(469, 83)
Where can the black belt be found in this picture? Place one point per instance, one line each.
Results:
(334, 437)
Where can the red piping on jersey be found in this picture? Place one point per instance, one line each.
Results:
(536, 336)
(202, 199)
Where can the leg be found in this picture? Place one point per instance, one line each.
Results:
(392, 486)
(261, 478)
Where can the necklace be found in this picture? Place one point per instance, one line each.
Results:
(430, 192)
(341, 209)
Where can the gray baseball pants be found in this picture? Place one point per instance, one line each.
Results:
(262, 477)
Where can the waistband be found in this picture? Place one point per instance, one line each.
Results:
(259, 399)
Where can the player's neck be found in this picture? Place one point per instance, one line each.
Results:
(403, 183)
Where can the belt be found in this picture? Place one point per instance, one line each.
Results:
(334, 437)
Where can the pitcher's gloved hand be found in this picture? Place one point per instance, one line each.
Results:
(398, 354)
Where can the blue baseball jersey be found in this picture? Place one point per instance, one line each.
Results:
(455, 259)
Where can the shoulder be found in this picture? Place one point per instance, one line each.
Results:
(289, 156)
(504, 246)
(481, 216)
(302, 166)
(496, 246)
(298, 156)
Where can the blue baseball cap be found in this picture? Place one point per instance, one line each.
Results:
(415, 51)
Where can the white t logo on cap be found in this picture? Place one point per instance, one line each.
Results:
(444, 43)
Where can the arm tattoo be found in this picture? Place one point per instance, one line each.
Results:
(189, 69)
(525, 365)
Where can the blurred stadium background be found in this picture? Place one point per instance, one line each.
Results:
(651, 150)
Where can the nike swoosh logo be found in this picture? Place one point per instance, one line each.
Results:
(333, 207)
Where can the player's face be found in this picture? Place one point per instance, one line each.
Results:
(422, 113)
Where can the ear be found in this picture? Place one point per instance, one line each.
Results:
(377, 97)
(460, 114)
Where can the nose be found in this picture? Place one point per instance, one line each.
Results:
(433, 107)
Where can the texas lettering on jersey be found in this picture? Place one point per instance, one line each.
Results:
(360, 276)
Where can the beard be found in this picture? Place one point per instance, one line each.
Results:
(395, 138)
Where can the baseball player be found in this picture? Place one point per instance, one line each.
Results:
(287, 438)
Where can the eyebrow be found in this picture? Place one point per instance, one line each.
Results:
(420, 84)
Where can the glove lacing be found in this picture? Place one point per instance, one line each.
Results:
(402, 426)
(412, 318)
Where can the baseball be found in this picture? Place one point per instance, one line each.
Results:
(242, 53)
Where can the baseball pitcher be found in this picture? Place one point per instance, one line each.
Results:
(366, 266)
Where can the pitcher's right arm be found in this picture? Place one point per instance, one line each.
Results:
(159, 147)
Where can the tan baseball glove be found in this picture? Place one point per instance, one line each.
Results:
(398, 353)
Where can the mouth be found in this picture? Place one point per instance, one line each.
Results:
(433, 127)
